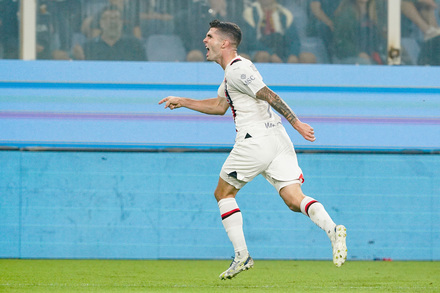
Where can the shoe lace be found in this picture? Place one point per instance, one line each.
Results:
(233, 261)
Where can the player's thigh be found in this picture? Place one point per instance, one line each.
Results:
(284, 166)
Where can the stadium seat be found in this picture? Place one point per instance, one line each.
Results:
(163, 47)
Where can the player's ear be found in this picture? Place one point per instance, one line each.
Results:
(225, 43)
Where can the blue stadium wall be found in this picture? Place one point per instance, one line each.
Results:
(92, 167)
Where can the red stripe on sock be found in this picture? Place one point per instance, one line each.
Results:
(306, 209)
(230, 213)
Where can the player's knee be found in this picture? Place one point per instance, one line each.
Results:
(222, 195)
(224, 190)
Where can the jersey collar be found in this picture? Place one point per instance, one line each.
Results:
(236, 59)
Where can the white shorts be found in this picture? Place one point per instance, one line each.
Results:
(270, 153)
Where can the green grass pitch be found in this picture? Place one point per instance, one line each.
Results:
(202, 276)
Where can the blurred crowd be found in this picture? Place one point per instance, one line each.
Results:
(274, 31)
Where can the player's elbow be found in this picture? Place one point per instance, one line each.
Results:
(222, 108)
(222, 111)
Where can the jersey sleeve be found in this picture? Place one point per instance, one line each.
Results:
(221, 90)
(246, 79)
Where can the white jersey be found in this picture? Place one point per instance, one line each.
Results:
(241, 83)
(262, 145)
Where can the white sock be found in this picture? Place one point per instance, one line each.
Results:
(317, 213)
(233, 222)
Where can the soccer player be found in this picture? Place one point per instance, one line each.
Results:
(262, 145)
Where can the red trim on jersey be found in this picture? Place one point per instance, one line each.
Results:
(228, 98)
(236, 60)
(301, 178)
(230, 213)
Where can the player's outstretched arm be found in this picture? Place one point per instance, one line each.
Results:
(266, 94)
(213, 106)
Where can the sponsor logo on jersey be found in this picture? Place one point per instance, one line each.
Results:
(247, 80)
(271, 124)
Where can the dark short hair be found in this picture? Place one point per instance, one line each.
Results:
(229, 28)
(110, 7)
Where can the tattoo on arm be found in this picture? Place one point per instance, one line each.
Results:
(277, 103)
